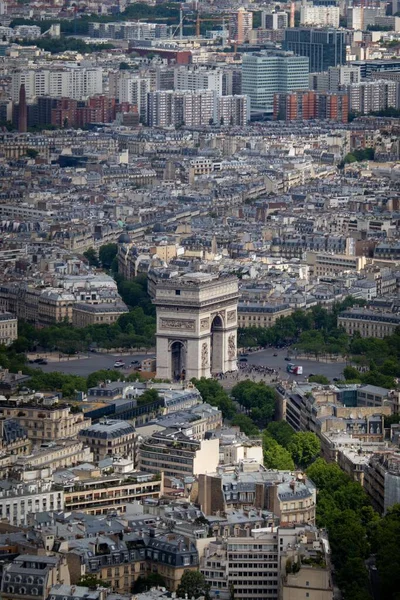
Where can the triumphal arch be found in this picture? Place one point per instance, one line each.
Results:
(196, 325)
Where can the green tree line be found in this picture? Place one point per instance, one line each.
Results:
(355, 532)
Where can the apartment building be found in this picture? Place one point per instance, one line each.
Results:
(176, 455)
(109, 438)
(134, 89)
(31, 576)
(323, 264)
(44, 423)
(287, 496)
(260, 565)
(8, 328)
(373, 96)
(369, 323)
(56, 456)
(233, 110)
(240, 25)
(195, 422)
(105, 313)
(169, 107)
(18, 499)
(305, 105)
(120, 562)
(382, 480)
(69, 82)
(13, 437)
(98, 496)
(198, 78)
(319, 16)
(253, 564)
(261, 314)
(275, 20)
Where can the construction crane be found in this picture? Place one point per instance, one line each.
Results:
(199, 20)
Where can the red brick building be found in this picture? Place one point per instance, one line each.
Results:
(308, 104)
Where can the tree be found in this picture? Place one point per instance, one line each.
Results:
(351, 373)
(257, 398)
(276, 456)
(102, 375)
(193, 584)
(31, 153)
(281, 431)
(388, 553)
(107, 254)
(124, 66)
(148, 397)
(319, 379)
(213, 393)
(91, 581)
(142, 584)
(304, 448)
(245, 424)
(91, 257)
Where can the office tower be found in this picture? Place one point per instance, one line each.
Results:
(319, 16)
(276, 20)
(240, 25)
(266, 73)
(324, 47)
(233, 110)
(373, 96)
(22, 111)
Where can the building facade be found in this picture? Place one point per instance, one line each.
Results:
(267, 73)
(8, 328)
(109, 438)
(196, 325)
(45, 423)
(324, 47)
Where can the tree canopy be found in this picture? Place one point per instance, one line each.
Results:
(343, 508)
(276, 456)
(213, 393)
(192, 585)
(258, 398)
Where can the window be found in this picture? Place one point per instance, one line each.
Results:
(177, 292)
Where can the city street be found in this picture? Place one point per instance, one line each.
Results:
(86, 364)
(266, 358)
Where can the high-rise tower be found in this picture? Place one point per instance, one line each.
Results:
(22, 110)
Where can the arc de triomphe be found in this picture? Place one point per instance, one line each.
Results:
(196, 325)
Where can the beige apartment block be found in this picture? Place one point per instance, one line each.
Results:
(261, 314)
(105, 313)
(369, 323)
(323, 263)
(45, 423)
(109, 438)
(100, 495)
(8, 328)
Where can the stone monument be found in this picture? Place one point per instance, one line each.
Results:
(196, 325)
